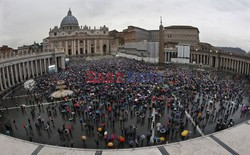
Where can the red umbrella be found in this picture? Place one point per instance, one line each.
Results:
(113, 137)
(154, 98)
(77, 105)
(109, 108)
(121, 139)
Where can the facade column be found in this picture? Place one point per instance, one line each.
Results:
(88, 46)
(78, 47)
(62, 62)
(73, 47)
(84, 47)
(95, 47)
(108, 49)
(40, 66)
(101, 46)
(8, 75)
(45, 65)
(66, 48)
(28, 66)
(49, 62)
(36, 68)
(60, 46)
(203, 60)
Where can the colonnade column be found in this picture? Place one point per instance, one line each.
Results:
(24, 71)
(20, 72)
(16, 73)
(12, 75)
(32, 68)
(4, 78)
(1, 80)
(248, 69)
(8, 75)
(230, 64)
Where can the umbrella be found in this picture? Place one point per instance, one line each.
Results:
(110, 144)
(113, 136)
(158, 125)
(121, 139)
(166, 86)
(184, 133)
(131, 142)
(77, 105)
(109, 109)
(162, 139)
(99, 129)
(105, 133)
(143, 137)
(98, 111)
(84, 138)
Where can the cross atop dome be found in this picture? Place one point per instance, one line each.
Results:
(69, 12)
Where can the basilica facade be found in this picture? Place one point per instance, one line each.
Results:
(77, 40)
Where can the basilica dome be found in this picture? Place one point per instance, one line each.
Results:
(69, 20)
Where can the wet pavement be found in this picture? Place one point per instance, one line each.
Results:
(170, 113)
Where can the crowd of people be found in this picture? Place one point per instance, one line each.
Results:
(118, 115)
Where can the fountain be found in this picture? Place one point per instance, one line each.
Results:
(61, 92)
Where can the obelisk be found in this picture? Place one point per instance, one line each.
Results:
(161, 46)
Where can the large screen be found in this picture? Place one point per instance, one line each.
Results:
(183, 51)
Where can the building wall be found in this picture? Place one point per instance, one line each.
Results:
(172, 35)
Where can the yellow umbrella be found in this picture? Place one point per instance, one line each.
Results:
(184, 133)
(110, 144)
(99, 129)
(162, 139)
(84, 138)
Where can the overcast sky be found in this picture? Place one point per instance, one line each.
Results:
(221, 22)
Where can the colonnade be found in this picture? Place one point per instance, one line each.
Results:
(19, 70)
(224, 61)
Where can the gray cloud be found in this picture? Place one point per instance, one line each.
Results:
(221, 22)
